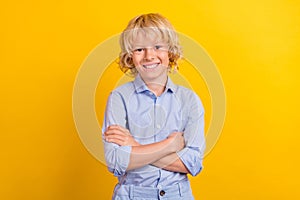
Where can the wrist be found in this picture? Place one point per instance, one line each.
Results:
(136, 144)
(171, 148)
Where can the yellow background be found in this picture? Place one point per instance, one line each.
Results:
(255, 45)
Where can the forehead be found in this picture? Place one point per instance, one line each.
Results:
(147, 36)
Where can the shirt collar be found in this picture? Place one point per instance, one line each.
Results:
(140, 85)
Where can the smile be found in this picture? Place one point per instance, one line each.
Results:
(152, 66)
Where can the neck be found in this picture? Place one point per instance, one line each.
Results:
(157, 89)
(157, 86)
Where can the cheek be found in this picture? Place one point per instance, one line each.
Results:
(135, 60)
(165, 59)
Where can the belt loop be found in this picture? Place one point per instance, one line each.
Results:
(180, 189)
(131, 191)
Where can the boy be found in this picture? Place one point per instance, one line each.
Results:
(153, 129)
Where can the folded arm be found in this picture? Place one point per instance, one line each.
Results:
(171, 162)
(157, 153)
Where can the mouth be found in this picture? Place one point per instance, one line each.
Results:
(151, 66)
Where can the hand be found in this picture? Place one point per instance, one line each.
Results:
(120, 136)
(176, 141)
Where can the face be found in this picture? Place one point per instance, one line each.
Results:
(151, 59)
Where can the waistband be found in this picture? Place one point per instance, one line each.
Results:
(162, 192)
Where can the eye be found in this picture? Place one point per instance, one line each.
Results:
(157, 47)
(139, 50)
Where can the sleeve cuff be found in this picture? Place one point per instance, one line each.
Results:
(122, 161)
(191, 159)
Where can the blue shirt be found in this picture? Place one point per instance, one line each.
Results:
(151, 119)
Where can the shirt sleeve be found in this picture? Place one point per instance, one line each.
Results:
(192, 154)
(116, 157)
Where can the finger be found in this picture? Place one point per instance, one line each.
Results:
(125, 130)
(115, 141)
(118, 127)
(118, 131)
(178, 133)
(115, 131)
(117, 137)
(113, 127)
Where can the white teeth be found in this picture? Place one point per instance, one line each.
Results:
(150, 66)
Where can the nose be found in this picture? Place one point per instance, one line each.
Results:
(149, 54)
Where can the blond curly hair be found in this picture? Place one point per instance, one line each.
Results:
(150, 24)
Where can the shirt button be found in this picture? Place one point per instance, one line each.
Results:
(157, 126)
(162, 193)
